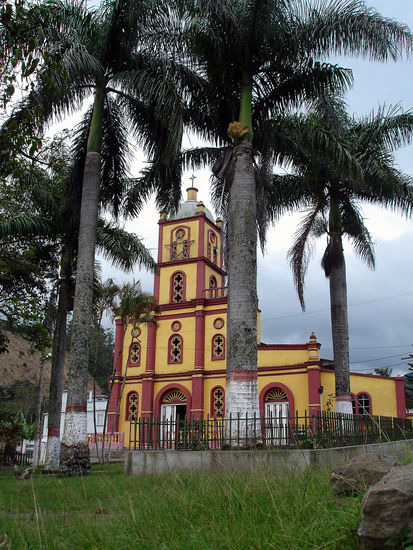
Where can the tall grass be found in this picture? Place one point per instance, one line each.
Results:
(200, 511)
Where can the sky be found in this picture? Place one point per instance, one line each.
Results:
(381, 301)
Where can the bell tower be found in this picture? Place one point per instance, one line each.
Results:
(189, 255)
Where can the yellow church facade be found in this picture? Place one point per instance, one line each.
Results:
(178, 368)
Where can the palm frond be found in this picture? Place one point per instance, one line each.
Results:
(122, 248)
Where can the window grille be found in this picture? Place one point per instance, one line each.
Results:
(175, 349)
(218, 403)
(178, 288)
(132, 412)
(135, 354)
(276, 394)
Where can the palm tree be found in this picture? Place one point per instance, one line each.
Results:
(259, 59)
(331, 198)
(134, 308)
(111, 54)
(54, 197)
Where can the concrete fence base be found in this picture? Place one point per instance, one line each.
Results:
(140, 463)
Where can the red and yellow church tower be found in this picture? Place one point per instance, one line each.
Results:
(179, 367)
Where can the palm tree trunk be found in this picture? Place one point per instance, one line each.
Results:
(75, 456)
(37, 436)
(339, 327)
(242, 387)
(242, 384)
(52, 458)
(111, 386)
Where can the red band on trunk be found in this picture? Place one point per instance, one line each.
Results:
(54, 432)
(76, 407)
(343, 398)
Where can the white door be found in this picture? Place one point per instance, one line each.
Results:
(168, 426)
(276, 423)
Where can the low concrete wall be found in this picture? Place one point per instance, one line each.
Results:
(140, 463)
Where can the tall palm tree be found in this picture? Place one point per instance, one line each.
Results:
(54, 198)
(331, 198)
(109, 53)
(259, 58)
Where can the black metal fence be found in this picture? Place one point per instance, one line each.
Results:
(20, 459)
(324, 430)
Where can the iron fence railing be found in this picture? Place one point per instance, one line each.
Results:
(323, 430)
(20, 459)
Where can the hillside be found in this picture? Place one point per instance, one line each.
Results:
(21, 365)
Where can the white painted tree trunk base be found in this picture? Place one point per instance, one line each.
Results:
(243, 427)
(52, 460)
(75, 428)
(75, 455)
(344, 406)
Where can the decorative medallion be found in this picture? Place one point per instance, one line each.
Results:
(219, 323)
(212, 237)
(176, 326)
(180, 234)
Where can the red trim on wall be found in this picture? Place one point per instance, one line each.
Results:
(268, 373)
(199, 339)
(118, 345)
(171, 361)
(197, 396)
(147, 397)
(179, 263)
(171, 287)
(164, 390)
(314, 382)
(201, 237)
(200, 279)
(286, 389)
(400, 398)
(211, 401)
(113, 402)
(217, 357)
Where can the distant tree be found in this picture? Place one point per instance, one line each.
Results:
(383, 371)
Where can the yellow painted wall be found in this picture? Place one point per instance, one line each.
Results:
(134, 370)
(296, 383)
(163, 333)
(218, 241)
(165, 278)
(193, 237)
(270, 358)
(381, 390)
(124, 425)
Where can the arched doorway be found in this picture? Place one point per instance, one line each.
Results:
(173, 417)
(276, 417)
(173, 406)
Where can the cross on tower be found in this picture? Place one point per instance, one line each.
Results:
(192, 179)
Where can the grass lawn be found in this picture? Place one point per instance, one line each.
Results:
(108, 511)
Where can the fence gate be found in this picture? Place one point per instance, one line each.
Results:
(276, 423)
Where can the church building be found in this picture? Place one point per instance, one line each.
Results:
(179, 367)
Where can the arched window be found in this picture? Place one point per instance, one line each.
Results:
(212, 247)
(363, 404)
(218, 347)
(178, 287)
(213, 286)
(218, 402)
(135, 354)
(132, 406)
(175, 349)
